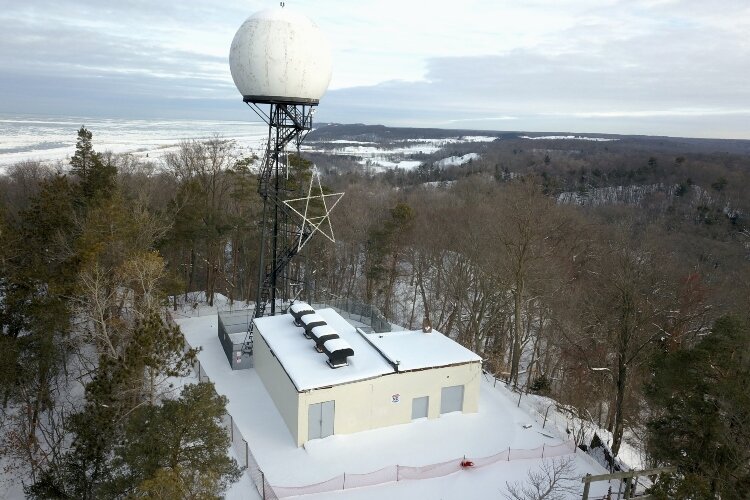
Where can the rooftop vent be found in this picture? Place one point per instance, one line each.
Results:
(310, 321)
(299, 309)
(338, 350)
(322, 334)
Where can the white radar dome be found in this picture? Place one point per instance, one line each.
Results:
(280, 56)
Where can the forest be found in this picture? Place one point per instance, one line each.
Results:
(613, 277)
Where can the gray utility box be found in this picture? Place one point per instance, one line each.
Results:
(233, 327)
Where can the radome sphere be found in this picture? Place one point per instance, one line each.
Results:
(280, 56)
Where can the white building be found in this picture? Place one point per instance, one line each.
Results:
(391, 378)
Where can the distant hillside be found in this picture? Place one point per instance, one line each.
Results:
(655, 144)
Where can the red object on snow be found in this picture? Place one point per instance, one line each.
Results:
(467, 463)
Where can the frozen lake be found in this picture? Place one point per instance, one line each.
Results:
(46, 138)
(52, 139)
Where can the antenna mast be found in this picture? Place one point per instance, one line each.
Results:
(280, 59)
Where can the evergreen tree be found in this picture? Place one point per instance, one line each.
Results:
(384, 246)
(97, 178)
(120, 389)
(85, 157)
(179, 446)
(701, 410)
(35, 317)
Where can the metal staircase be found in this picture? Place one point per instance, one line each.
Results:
(287, 123)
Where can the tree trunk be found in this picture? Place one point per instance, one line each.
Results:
(516, 348)
(622, 372)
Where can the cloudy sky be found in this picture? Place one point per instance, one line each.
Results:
(663, 67)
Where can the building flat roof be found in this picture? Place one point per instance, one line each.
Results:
(373, 356)
(416, 350)
(306, 367)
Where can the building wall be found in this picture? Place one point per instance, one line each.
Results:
(369, 404)
(279, 386)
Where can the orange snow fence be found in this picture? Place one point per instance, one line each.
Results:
(405, 473)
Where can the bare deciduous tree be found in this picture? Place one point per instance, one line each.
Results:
(553, 480)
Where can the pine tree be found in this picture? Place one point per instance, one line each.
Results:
(701, 408)
(178, 446)
(119, 392)
(97, 179)
(35, 282)
(85, 157)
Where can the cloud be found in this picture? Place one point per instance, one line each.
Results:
(651, 66)
(665, 93)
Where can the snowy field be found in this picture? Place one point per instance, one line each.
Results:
(51, 139)
(379, 158)
(561, 137)
(456, 161)
(499, 425)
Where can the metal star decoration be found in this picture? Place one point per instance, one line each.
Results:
(317, 222)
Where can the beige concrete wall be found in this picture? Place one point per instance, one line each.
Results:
(368, 404)
(278, 385)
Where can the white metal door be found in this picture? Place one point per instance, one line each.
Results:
(314, 416)
(452, 399)
(326, 420)
(419, 407)
(320, 419)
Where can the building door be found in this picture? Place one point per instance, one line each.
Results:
(320, 419)
(419, 407)
(452, 399)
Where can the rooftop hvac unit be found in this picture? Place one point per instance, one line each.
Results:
(337, 350)
(322, 334)
(299, 309)
(310, 321)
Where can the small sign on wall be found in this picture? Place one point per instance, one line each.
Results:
(396, 398)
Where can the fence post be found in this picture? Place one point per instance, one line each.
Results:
(343, 485)
(231, 428)
(263, 481)
(543, 444)
(586, 488)
(397, 475)
(508, 453)
(247, 462)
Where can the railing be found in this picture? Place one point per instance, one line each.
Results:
(358, 311)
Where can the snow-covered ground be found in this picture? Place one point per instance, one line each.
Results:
(380, 158)
(499, 425)
(381, 163)
(456, 161)
(560, 137)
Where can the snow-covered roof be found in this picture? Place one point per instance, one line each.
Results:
(415, 350)
(374, 354)
(306, 367)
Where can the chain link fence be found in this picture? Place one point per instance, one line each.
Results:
(240, 446)
(358, 311)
